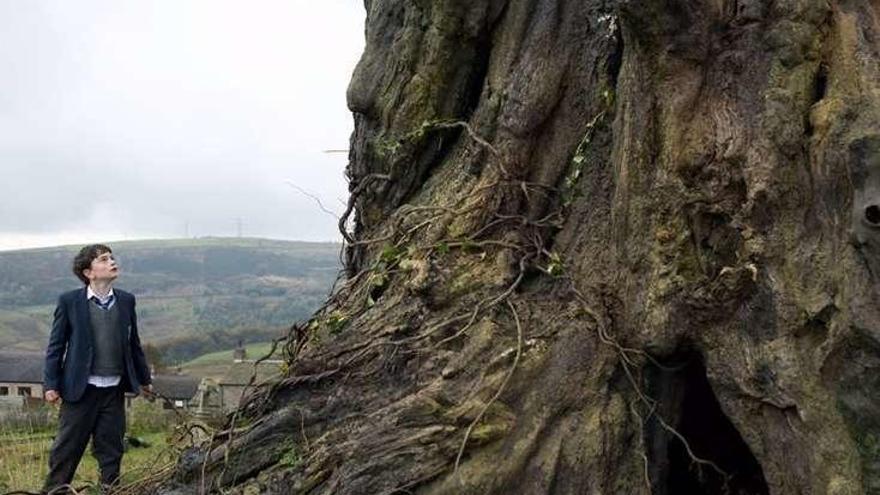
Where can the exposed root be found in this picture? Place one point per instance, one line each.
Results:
(352, 198)
(519, 344)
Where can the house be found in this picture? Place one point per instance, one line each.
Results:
(238, 376)
(21, 374)
(180, 390)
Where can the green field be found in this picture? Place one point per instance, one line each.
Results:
(24, 451)
(215, 364)
(254, 351)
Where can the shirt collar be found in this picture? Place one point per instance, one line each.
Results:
(90, 294)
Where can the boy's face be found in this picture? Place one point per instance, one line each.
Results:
(103, 268)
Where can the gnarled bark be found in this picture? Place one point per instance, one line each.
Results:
(602, 246)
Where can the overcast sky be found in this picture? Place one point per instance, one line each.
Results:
(129, 119)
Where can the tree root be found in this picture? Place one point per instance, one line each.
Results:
(516, 358)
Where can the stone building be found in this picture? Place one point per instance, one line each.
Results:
(21, 374)
(180, 390)
(237, 377)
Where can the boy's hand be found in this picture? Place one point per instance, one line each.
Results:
(52, 396)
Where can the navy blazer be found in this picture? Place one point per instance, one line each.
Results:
(70, 352)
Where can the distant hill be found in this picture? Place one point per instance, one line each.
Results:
(194, 295)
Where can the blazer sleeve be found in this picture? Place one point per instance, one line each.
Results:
(55, 351)
(137, 352)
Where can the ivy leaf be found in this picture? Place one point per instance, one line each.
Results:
(378, 279)
(336, 322)
(390, 254)
(555, 266)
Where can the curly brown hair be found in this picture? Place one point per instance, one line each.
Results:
(83, 259)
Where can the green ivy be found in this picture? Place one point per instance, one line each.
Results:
(291, 457)
(555, 266)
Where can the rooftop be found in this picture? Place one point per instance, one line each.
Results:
(176, 387)
(21, 367)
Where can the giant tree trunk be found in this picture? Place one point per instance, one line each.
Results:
(598, 246)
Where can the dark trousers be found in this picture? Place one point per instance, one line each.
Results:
(99, 415)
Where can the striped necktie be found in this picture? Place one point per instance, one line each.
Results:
(104, 305)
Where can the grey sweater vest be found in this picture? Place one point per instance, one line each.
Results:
(108, 340)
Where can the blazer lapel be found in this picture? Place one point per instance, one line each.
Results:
(82, 313)
(124, 316)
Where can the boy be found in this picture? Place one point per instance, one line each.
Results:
(94, 356)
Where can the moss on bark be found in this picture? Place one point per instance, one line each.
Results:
(580, 193)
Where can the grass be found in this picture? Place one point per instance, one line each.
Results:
(216, 364)
(254, 351)
(24, 451)
(24, 465)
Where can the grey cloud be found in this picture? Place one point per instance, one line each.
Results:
(141, 117)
